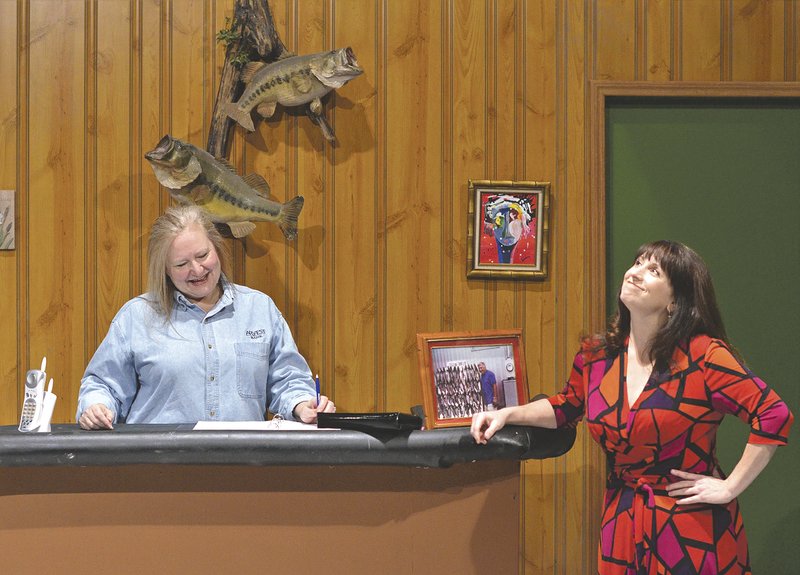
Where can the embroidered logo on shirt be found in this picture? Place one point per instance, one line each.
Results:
(255, 333)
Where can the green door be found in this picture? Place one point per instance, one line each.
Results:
(723, 176)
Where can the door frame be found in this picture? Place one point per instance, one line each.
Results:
(600, 94)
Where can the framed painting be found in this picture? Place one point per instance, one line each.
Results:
(464, 373)
(508, 230)
(7, 241)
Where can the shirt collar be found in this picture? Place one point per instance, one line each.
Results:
(225, 299)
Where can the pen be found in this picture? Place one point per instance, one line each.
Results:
(316, 381)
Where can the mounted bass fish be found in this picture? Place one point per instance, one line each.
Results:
(293, 81)
(193, 176)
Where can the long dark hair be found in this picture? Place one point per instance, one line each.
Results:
(695, 308)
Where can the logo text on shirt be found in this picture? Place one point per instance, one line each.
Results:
(255, 333)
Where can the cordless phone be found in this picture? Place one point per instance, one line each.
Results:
(38, 404)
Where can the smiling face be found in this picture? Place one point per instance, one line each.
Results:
(193, 266)
(646, 289)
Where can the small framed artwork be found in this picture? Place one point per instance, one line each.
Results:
(508, 230)
(6, 219)
(463, 373)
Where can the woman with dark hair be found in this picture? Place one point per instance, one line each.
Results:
(654, 390)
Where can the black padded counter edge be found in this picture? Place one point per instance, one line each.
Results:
(68, 445)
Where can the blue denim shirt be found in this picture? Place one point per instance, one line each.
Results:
(229, 364)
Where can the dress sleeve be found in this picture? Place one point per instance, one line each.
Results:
(569, 404)
(736, 390)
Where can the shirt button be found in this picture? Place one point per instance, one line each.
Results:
(209, 346)
(212, 378)
(212, 413)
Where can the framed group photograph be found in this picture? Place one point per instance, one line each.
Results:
(508, 230)
(463, 373)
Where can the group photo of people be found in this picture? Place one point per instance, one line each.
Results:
(470, 380)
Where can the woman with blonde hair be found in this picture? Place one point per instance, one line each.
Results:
(195, 346)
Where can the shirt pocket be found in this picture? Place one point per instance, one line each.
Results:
(252, 368)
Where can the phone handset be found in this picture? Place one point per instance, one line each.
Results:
(38, 404)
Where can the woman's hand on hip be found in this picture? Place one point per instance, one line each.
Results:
(696, 488)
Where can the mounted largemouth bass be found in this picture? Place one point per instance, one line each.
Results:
(293, 81)
(193, 176)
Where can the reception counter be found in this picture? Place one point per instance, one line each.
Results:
(167, 499)
(181, 445)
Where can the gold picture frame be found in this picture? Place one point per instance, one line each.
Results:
(508, 229)
(455, 387)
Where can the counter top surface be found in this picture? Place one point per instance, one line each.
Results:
(69, 445)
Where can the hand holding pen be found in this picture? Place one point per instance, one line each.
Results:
(306, 411)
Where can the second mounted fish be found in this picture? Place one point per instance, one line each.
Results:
(193, 176)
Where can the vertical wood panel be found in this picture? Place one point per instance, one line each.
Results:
(151, 64)
(501, 113)
(454, 247)
(574, 62)
(726, 42)
(758, 40)
(55, 257)
(311, 160)
(23, 183)
(615, 30)
(9, 302)
(381, 260)
(268, 152)
(542, 524)
(187, 79)
(352, 114)
(582, 472)
(658, 40)
(90, 204)
(473, 298)
(413, 205)
(111, 152)
(792, 35)
(701, 41)
(539, 98)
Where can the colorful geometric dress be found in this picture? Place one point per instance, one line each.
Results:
(672, 425)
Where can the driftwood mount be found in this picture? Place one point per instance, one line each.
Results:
(255, 31)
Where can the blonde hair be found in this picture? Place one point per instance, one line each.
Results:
(165, 229)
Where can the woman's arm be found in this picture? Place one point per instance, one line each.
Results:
(110, 375)
(536, 414)
(733, 389)
(706, 489)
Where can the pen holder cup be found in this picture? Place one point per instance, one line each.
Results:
(48, 404)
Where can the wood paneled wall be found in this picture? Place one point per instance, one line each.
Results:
(452, 90)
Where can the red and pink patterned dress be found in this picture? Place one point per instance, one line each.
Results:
(672, 425)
